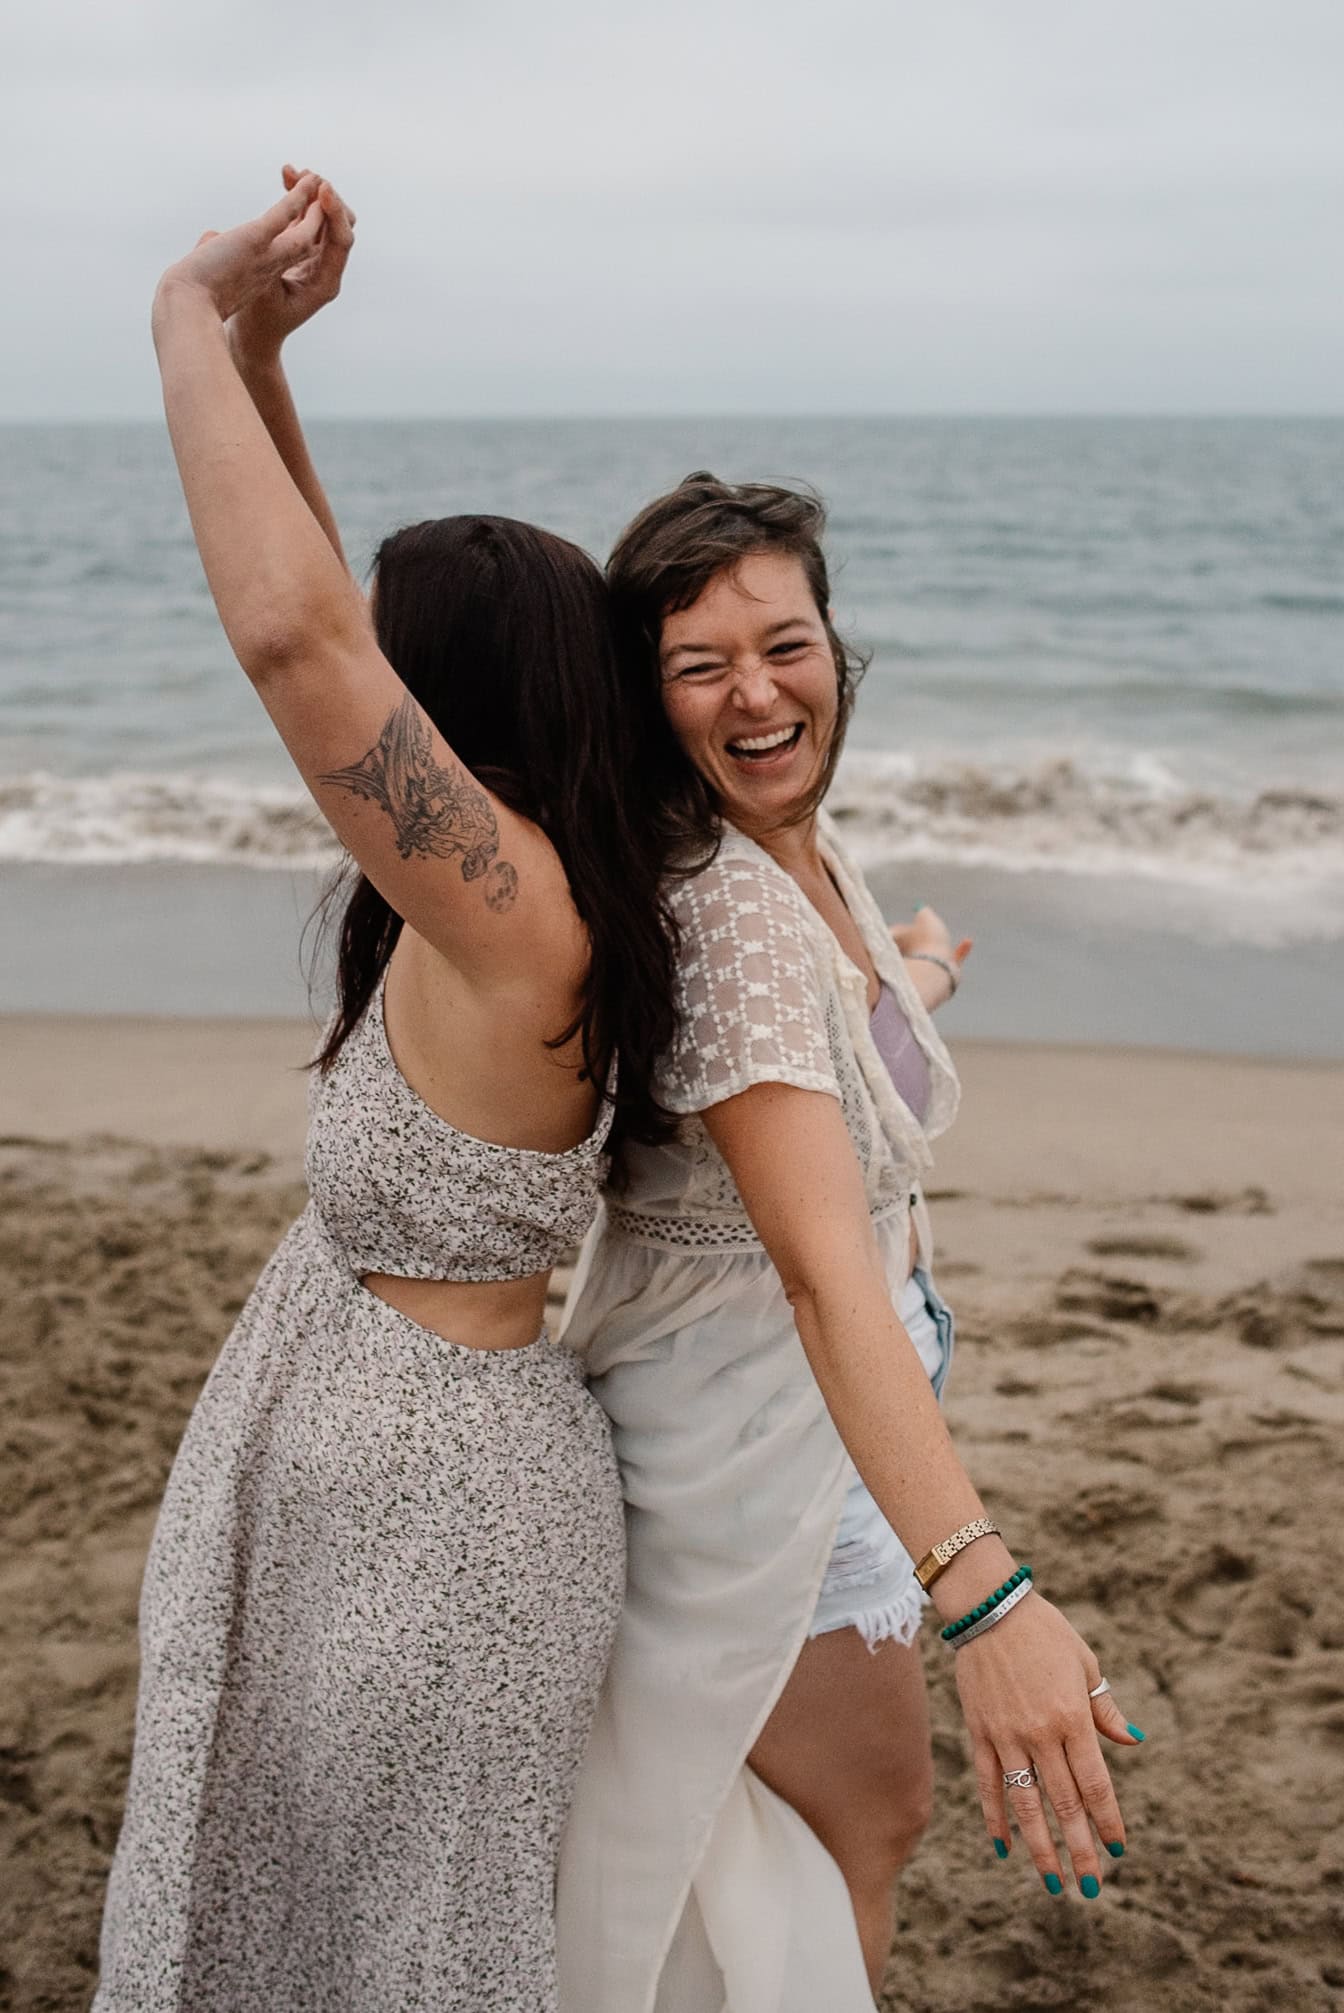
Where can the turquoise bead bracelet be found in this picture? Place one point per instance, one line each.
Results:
(987, 1605)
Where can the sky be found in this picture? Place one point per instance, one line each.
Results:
(614, 207)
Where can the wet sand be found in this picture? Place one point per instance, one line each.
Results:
(1146, 1252)
(1132, 962)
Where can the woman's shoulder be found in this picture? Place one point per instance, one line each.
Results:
(752, 982)
(738, 882)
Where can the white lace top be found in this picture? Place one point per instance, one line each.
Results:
(767, 995)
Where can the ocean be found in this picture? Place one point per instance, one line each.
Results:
(1103, 726)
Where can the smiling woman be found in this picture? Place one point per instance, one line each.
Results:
(762, 1328)
(751, 667)
(750, 684)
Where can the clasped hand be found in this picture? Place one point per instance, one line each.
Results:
(271, 274)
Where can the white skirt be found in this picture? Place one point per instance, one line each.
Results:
(684, 1883)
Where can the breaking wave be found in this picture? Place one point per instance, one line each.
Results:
(139, 820)
(1139, 819)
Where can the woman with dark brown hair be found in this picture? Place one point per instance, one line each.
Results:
(761, 1326)
(385, 1577)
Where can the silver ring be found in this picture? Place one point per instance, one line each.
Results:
(1020, 1778)
(1097, 1690)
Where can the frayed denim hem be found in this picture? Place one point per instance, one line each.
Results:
(895, 1620)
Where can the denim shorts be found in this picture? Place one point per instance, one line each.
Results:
(870, 1582)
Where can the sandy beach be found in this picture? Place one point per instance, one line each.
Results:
(1146, 1252)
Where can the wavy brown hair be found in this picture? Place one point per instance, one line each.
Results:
(662, 562)
(502, 633)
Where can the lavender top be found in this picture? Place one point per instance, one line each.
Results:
(907, 1065)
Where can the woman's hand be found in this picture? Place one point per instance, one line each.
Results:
(1024, 1688)
(258, 331)
(929, 937)
(228, 269)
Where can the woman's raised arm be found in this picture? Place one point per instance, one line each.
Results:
(259, 331)
(466, 872)
(1024, 1684)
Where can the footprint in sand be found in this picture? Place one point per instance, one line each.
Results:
(1142, 1247)
(1317, 1694)
(1276, 1320)
(1329, 1726)
(1111, 1298)
(1223, 1202)
(1215, 1585)
(1326, 1273)
(1271, 1620)
(1263, 1328)
(1177, 1394)
(1107, 1507)
(17, 1788)
(1049, 1331)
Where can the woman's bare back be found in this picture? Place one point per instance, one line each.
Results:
(477, 1055)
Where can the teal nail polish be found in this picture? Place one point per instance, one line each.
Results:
(1137, 1732)
(1001, 1847)
(919, 906)
(1053, 1883)
(1115, 1848)
(1090, 1885)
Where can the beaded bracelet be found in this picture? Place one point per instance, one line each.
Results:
(959, 1628)
(996, 1614)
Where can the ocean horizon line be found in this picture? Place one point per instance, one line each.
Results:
(710, 414)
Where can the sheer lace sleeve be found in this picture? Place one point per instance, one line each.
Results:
(751, 999)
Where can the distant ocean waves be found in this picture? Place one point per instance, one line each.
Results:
(144, 819)
(1269, 853)
(1136, 818)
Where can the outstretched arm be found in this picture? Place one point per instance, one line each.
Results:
(927, 946)
(477, 881)
(257, 335)
(1024, 1684)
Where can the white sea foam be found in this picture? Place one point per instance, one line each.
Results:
(1137, 818)
(142, 819)
(1134, 818)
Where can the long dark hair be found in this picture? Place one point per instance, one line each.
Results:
(663, 561)
(502, 633)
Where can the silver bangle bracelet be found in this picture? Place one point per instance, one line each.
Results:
(943, 964)
(997, 1614)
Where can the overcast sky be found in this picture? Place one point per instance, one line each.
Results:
(575, 206)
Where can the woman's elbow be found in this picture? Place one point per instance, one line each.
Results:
(279, 648)
(831, 1287)
(270, 654)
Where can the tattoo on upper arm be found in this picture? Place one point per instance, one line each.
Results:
(439, 813)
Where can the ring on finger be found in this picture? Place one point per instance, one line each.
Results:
(1100, 1690)
(1020, 1778)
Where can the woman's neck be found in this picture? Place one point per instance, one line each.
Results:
(796, 848)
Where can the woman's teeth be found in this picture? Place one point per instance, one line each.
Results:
(766, 744)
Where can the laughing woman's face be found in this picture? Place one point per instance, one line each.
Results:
(750, 690)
